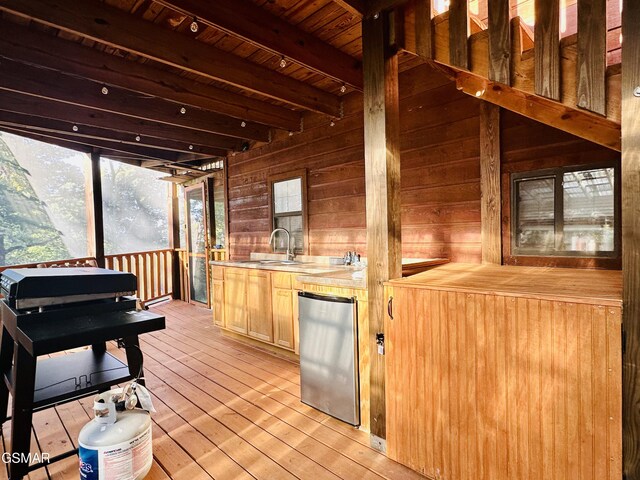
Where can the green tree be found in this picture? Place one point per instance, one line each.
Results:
(28, 234)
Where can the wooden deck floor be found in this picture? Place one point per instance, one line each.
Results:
(224, 411)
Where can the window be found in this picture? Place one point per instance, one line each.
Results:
(288, 198)
(134, 202)
(566, 212)
(42, 202)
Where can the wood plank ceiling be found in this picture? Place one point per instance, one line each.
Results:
(133, 79)
(175, 84)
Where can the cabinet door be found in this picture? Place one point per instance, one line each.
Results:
(218, 302)
(235, 300)
(259, 305)
(296, 323)
(283, 317)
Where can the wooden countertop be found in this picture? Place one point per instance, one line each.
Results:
(346, 278)
(602, 287)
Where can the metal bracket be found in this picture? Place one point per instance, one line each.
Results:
(378, 443)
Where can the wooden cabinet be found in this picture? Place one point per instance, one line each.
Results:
(217, 302)
(505, 372)
(260, 321)
(283, 299)
(235, 299)
(283, 319)
(217, 295)
(256, 303)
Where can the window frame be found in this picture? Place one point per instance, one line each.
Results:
(557, 174)
(282, 177)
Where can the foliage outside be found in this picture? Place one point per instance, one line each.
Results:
(43, 204)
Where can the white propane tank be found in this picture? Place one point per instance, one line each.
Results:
(116, 444)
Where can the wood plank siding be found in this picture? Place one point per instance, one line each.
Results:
(510, 387)
(440, 172)
(523, 381)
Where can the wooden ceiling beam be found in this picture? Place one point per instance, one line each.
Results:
(38, 48)
(28, 105)
(41, 138)
(192, 165)
(19, 120)
(354, 7)
(137, 150)
(119, 29)
(183, 165)
(580, 123)
(244, 19)
(377, 6)
(118, 156)
(53, 85)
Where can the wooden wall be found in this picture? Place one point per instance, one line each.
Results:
(440, 173)
(440, 176)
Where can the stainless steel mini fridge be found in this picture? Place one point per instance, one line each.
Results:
(329, 355)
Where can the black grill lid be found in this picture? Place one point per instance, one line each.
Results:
(23, 283)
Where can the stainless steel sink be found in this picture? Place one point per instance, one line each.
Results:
(280, 262)
(270, 262)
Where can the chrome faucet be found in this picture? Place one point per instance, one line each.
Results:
(290, 253)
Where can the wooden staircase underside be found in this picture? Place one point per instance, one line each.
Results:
(520, 96)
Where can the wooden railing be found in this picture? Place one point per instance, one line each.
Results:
(74, 262)
(571, 84)
(218, 254)
(154, 270)
(183, 261)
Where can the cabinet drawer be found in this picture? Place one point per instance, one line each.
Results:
(281, 280)
(217, 273)
(296, 284)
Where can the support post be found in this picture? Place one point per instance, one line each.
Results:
(174, 240)
(382, 179)
(2, 254)
(490, 211)
(95, 222)
(631, 240)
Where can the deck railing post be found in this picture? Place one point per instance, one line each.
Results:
(95, 223)
(174, 240)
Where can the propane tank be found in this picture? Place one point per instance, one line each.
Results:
(116, 444)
